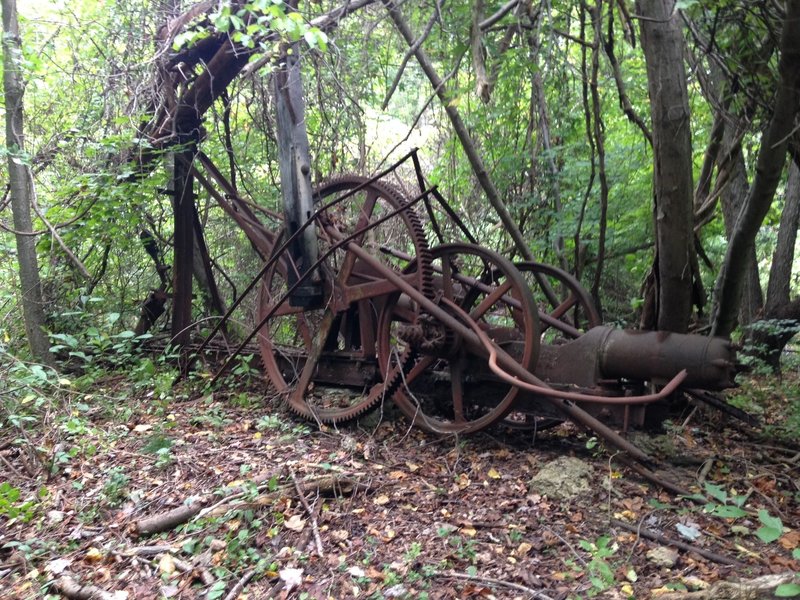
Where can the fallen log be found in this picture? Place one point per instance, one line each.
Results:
(69, 587)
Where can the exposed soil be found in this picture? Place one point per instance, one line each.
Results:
(389, 511)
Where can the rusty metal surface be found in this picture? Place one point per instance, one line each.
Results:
(459, 337)
(298, 347)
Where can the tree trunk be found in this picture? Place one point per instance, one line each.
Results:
(20, 191)
(780, 272)
(662, 42)
(768, 338)
(769, 167)
(732, 202)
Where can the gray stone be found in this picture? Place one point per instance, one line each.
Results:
(663, 556)
(562, 479)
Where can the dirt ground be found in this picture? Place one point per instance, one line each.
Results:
(376, 509)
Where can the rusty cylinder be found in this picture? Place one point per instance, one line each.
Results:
(660, 355)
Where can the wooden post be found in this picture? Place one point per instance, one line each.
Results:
(183, 219)
(294, 158)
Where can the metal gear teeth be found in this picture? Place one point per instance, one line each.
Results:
(426, 284)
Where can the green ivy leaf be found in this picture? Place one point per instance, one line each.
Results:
(787, 590)
(216, 591)
(729, 512)
(716, 492)
(771, 527)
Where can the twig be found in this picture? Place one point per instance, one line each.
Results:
(497, 582)
(168, 520)
(657, 537)
(704, 470)
(311, 514)
(75, 591)
(409, 53)
(570, 546)
(71, 255)
(502, 12)
(239, 587)
(11, 467)
(147, 550)
(207, 511)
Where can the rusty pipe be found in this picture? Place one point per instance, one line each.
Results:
(658, 355)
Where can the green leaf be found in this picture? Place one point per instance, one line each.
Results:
(729, 512)
(716, 492)
(771, 527)
(787, 590)
(216, 591)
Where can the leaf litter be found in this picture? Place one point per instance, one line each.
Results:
(378, 510)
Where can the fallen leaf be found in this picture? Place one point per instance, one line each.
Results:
(167, 564)
(141, 428)
(295, 523)
(291, 577)
(690, 532)
(523, 549)
(627, 589)
(625, 515)
(790, 540)
(356, 571)
(93, 555)
(58, 566)
(381, 500)
(493, 473)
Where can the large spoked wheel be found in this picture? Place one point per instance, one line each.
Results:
(322, 359)
(566, 310)
(439, 382)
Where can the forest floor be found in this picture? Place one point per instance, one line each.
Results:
(379, 510)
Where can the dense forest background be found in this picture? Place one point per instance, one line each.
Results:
(649, 148)
(564, 104)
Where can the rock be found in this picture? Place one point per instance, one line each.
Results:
(562, 479)
(663, 556)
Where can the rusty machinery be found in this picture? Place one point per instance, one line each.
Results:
(361, 300)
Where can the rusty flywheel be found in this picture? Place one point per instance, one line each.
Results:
(448, 388)
(324, 359)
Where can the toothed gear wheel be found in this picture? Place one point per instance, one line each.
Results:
(297, 345)
(449, 388)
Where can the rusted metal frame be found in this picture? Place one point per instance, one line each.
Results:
(278, 251)
(531, 383)
(242, 204)
(555, 323)
(340, 283)
(553, 299)
(262, 238)
(453, 215)
(471, 335)
(543, 316)
(183, 217)
(345, 243)
(422, 186)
